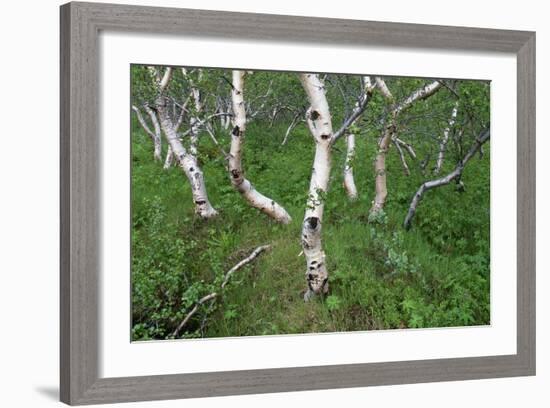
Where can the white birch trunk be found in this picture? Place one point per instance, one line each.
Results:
(156, 135)
(381, 189)
(188, 164)
(295, 121)
(445, 139)
(359, 108)
(320, 125)
(236, 172)
(157, 140)
(349, 182)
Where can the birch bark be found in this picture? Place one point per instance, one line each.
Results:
(349, 181)
(359, 108)
(381, 189)
(445, 139)
(156, 135)
(320, 124)
(187, 162)
(236, 172)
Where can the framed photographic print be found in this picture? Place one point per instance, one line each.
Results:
(261, 203)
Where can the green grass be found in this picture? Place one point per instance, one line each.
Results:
(381, 277)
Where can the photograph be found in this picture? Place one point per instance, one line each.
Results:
(273, 203)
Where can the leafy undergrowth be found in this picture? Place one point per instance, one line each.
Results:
(381, 277)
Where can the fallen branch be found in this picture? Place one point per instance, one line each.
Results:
(213, 295)
(245, 261)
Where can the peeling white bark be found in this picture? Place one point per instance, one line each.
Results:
(454, 175)
(320, 124)
(236, 173)
(445, 139)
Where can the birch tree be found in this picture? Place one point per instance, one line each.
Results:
(445, 139)
(320, 125)
(389, 133)
(455, 175)
(319, 121)
(156, 135)
(186, 161)
(236, 172)
(359, 108)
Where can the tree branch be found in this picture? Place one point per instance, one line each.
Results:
(213, 295)
(454, 175)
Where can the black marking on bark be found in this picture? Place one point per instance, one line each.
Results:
(314, 115)
(310, 276)
(235, 173)
(313, 262)
(325, 136)
(311, 268)
(191, 169)
(272, 203)
(313, 222)
(324, 282)
(200, 202)
(236, 131)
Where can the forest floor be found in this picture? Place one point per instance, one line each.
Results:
(381, 276)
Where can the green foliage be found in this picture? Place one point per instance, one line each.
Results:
(381, 277)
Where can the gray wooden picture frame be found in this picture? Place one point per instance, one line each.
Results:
(80, 192)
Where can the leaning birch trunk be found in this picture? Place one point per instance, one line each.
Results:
(236, 173)
(320, 125)
(188, 164)
(156, 125)
(381, 189)
(445, 139)
(186, 161)
(454, 175)
(349, 182)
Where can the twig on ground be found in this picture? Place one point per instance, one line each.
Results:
(213, 295)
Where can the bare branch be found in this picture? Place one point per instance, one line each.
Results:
(213, 295)
(359, 108)
(454, 175)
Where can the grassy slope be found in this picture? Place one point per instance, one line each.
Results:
(381, 276)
